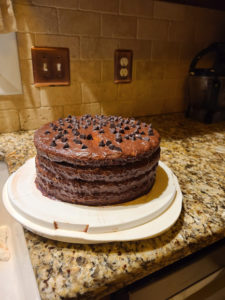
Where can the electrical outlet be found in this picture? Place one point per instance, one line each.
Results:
(50, 66)
(123, 66)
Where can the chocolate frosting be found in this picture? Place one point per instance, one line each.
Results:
(99, 140)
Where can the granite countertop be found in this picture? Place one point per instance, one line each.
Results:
(196, 154)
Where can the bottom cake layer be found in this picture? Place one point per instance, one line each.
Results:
(99, 199)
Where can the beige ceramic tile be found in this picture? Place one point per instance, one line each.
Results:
(152, 29)
(77, 110)
(53, 40)
(31, 96)
(26, 70)
(100, 5)
(61, 95)
(141, 48)
(189, 50)
(98, 48)
(169, 11)
(137, 7)
(119, 26)
(29, 118)
(147, 70)
(57, 3)
(36, 19)
(181, 31)
(85, 71)
(134, 91)
(176, 71)
(48, 114)
(163, 89)
(116, 107)
(98, 92)
(25, 41)
(77, 22)
(107, 70)
(9, 121)
(165, 51)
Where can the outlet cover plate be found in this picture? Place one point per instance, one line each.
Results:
(123, 65)
(51, 66)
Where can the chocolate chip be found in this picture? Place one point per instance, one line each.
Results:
(112, 147)
(69, 116)
(119, 138)
(69, 126)
(150, 132)
(101, 131)
(58, 136)
(113, 130)
(108, 143)
(65, 131)
(55, 127)
(47, 132)
(64, 139)
(85, 126)
(76, 132)
(83, 136)
(132, 137)
(84, 147)
(76, 141)
(121, 130)
(89, 137)
(126, 127)
(136, 131)
(133, 126)
(53, 144)
(101, 144)
(142, 133)
(66, 146)
(118, 149)
(126, 136)
(146, 138)
(60, 129)
(96, 127)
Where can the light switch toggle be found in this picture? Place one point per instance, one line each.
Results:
(45, 67)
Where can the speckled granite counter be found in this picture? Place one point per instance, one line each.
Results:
(196, 154)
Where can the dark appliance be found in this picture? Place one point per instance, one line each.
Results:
(206, 87)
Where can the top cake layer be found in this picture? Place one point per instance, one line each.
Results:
(96, 140)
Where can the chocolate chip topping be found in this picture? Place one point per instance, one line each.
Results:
(53, 144)
(64, 139)
(89, 137)
(108, 143)
(101, 144)
(66, 146)
(76, 141)
(114, 134)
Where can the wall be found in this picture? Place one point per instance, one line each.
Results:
(163, 36)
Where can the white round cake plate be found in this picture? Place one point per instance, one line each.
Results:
(149, 229)
(29, 202)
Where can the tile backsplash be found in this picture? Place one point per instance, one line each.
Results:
(164, 38)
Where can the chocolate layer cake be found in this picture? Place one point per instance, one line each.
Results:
(100, 160)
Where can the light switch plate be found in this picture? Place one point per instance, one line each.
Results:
(50, 66)
(123, 66)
